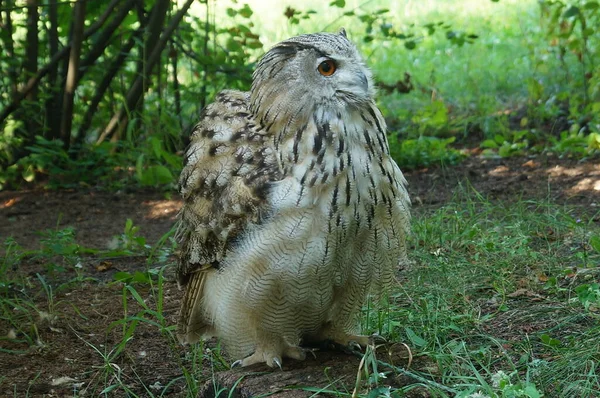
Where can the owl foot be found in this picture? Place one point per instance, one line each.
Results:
(272, 355)
(351, 343)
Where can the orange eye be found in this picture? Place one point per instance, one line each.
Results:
(327, 68)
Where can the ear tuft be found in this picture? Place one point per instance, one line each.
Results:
(343, 32)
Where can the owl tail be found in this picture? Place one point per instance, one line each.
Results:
(192, 325)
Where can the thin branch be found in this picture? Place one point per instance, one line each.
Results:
(111, 72)
(71, 83)
(133, 96)
(103, 39)
(33, 82)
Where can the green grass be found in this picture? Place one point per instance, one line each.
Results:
(493, 289)
(500, 301)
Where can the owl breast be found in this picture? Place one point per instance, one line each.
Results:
(334, 231)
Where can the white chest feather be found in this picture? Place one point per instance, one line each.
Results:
(335, 230)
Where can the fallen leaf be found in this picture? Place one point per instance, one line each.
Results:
(62, 380)
(524, 293)
(531, 164)
(10, 202)
(104, 266)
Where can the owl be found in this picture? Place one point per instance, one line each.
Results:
(293, 211)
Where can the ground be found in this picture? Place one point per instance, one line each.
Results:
(64, 323)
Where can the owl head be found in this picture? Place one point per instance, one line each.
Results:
(320, 70)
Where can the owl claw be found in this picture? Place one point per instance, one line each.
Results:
(354, 346)
(277, 362)
(237, 364)
(312, 351)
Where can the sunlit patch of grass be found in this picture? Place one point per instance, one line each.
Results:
(493, 289)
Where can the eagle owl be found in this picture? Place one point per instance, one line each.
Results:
(294, 211)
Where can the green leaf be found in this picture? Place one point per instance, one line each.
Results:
(499, 138)
(234, 46)
(246, 11)
(591, 5)
(549, 341)
(505, 150)
(122, 276)
(595, 242)
(141, 277)
(28, 174)
(571, 12)
(231, 12)
(414, 338)
(338, 3)
(156, 175)
(139, 167)
(532, 392)
(128, 225)
(379, 392)
(255, 44)
(410, 44)
(489, 144)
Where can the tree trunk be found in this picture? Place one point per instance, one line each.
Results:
(9, 47)
(156, 21)
(120, 119)
(205, 53)
(52, 115)
(176, 93)
(29, 115)
(104, 39)
(33, 81)
(73, 70)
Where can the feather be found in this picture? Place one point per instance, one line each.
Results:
(294, 212)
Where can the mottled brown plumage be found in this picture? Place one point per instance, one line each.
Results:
(294, 211)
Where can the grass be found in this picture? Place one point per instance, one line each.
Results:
(500, 302)
(493, 290)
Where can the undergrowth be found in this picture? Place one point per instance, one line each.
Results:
(501, 301)
(508, 77)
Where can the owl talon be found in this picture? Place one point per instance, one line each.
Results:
(277, 362)
(354, 346)
(312, 351)
(237, 364)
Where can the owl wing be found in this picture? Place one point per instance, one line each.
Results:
(228, 166)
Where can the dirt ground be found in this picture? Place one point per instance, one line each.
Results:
(72, 338)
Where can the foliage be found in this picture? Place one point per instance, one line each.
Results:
(424, 151)
(130, 241)
(210, 51)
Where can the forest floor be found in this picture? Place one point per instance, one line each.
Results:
(69, 328)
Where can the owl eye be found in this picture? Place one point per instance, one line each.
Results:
(327, 68)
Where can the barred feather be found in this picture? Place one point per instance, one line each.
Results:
(294, 212)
